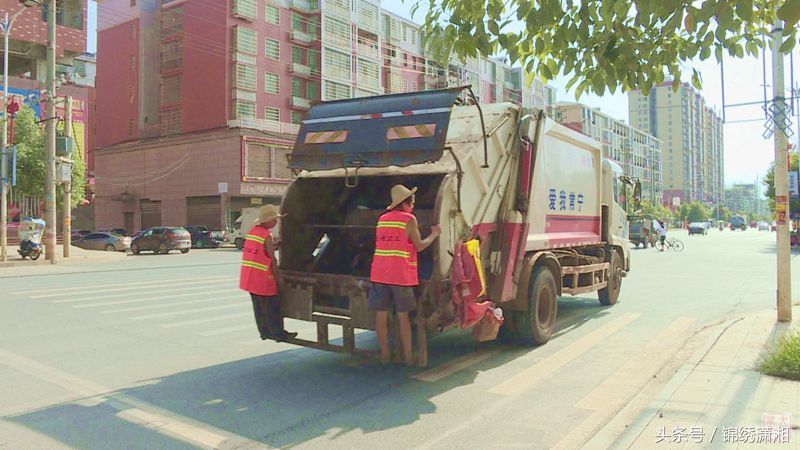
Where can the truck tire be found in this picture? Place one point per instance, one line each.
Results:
(608, 296)
(538, 323)
(239, 243)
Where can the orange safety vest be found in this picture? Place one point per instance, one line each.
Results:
(395, 258)
(256, 274)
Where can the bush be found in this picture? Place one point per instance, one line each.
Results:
(783, 358)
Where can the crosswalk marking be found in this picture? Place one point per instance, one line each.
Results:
(451, 367)
(207, 320)
(168, 305)
(60, 291)
(193, 287)
(532, 375)
(188, 311)
(120, 289)
(152, 299)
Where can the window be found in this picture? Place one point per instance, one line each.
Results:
(272, 114)
(171, 55)
(337, 64)
(312, 90)
(244, 109)
(131, 97)
(297, 22)
(272, 49)
(312, 25)
(272, 14)
(272, 83)
(171, 121)
(246, 40)
(171, 21)
(245, 8)
(245, 77)
(130, 127)
(297, 117)
(336, 91)
(337, 32)
(132, 63)
(69, 13)
(297, 87)
(171, 90)
(297, 55)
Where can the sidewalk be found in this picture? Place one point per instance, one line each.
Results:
(717, 399)
(77, 255)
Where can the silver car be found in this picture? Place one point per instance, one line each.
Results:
(104, 241)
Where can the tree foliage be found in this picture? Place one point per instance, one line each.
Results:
(29, 137)
(605, 44)
(693, 212)
(657, 211)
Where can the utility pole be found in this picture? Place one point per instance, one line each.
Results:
(784, 292)
(50, 143)
(3, 168)
(66, 227)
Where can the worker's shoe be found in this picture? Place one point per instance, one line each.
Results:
(284, 335)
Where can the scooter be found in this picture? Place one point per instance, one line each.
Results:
(30, 238)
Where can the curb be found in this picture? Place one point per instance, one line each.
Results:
(60, 261)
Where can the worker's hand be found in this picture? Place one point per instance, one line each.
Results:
(436, 230)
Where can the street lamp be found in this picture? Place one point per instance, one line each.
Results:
(5, 26)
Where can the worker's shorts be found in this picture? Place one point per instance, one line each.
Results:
(382, 297)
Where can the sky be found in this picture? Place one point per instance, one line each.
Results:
(747, 153)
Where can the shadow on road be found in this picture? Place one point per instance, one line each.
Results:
(290, 397)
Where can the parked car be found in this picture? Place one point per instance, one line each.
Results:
(162, 240)
(698, 228)
(640, 231)
(119, 231)
(201, 237)
(763, 226)
(78, 234)
(738, 223)
(103, 241)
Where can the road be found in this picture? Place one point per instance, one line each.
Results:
(162, 352)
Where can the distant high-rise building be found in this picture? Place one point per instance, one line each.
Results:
(744, 198)
(244, 73)
(639, 153)
(692, 138)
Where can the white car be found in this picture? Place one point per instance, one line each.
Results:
(763, 226)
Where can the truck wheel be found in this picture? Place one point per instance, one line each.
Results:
(238, 243)
(542, 305)
(609, 295)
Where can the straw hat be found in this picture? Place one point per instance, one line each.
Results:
(268, 212)
(399, 194)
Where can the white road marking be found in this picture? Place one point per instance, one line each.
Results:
(225, 330)
(167, 305)
(60, 291)
(451, 367)
(193, 287)
(139, 287)
(202, 321)
(188, 311)
(130, 409)
(153, 299)
(532, 375)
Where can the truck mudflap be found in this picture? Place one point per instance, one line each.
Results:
(403, 129)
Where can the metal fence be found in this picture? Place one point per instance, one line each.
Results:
(24, 206)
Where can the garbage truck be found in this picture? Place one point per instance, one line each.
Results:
(546, 208)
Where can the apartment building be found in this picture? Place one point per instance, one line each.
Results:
(638, 153)
(744, 198)
(27, 63)
(692, 138)
(244, 74)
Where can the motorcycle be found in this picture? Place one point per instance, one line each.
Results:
(30, 238)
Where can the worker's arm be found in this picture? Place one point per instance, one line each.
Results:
(412, 230)
(270, 246)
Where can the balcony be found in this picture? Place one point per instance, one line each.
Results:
(305, 6)
(300, 103)
(368, 82)
(342, 42)
(340, 10)
(301, 70)
(264, 125)
(239, 57)
(368, 48)
(301, 37)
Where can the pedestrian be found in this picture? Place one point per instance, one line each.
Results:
(662, 233)
(394, 269)
(257, 276)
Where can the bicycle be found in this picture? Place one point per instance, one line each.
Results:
(673, 244)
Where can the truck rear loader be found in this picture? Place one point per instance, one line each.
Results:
(547, 209)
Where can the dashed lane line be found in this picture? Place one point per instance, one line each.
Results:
(152, 299)
(189, 311)
(133, 410)
(456, 365)
(208, 320)
(59, 291)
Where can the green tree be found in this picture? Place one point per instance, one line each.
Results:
(769, 184)
(29, 137)
(657, 211)
(698, 212)
(605, 44)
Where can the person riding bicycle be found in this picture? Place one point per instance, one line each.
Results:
(662, 233)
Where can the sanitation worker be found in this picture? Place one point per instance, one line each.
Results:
(394, 269)
(257, 277)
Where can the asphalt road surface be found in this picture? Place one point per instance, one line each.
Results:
(161, 352)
